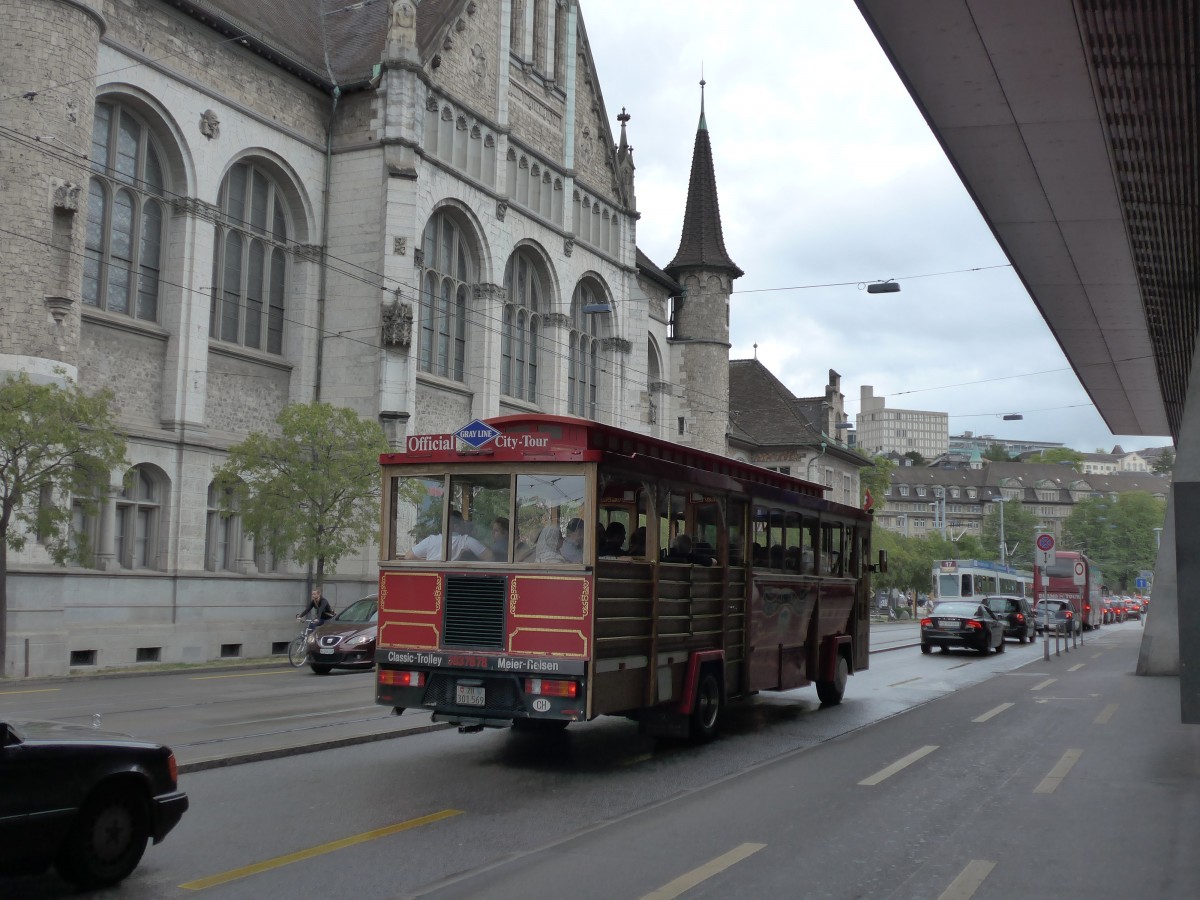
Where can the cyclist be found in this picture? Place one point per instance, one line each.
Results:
(319, 606)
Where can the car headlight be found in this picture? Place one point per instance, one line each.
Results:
(361, 639)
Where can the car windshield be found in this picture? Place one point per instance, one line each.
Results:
(360, 611)
(956, 609)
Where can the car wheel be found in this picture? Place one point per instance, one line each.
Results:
(321, 670)
(945, 649)
(926, 648)
(706, 712)
(830, 692)
(107, 839)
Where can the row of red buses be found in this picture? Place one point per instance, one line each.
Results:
(1074, 577)
(539, 570)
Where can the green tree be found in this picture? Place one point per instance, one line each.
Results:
(876, 478)
(917, 458)
(56, 443)
(1020, 526)
(997, 453)
(1054, 455)
(310, 493)
(1117, 534)
(1165, 464)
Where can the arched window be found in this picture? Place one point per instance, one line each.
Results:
(250, 265)
(590, 315)
(136, 536)
(522, 323)
(126, 220)
(449, 271)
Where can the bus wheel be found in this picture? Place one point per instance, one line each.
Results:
(706, 714)
(830, 692)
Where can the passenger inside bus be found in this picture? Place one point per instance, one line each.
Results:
(549, 544)
(463, 545)
(637, 542)
(572, 546)
(614, 540)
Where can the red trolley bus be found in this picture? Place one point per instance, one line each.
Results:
(538, 570)
(1074, 577)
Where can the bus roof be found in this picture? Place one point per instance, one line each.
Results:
(543, 438)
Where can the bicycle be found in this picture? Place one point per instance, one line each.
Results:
(298, 648)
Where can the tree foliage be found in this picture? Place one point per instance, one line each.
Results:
(56, 443)
(876, 478)
(1060, 455)
(917, 458)
(1020, 526)
(997, 453)
(311, 492)
(911, 559)
(1165, 464)
(1118, 534)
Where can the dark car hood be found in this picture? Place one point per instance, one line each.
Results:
(67, 733)
(346, 630)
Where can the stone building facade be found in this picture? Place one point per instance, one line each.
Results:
(422, 211)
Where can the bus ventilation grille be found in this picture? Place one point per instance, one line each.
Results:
(475, 612)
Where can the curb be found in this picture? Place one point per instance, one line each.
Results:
(220, 762)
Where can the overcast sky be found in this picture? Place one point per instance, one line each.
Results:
(829, 179)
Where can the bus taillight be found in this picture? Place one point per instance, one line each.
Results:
(551, 688)
(402, 678)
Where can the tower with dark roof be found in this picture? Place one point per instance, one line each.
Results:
(701, 313)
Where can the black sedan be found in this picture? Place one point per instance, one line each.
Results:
(1016, 613)
(347, 641)
(83, 800)
(961, 623)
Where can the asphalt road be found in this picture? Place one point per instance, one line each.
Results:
(603, 812)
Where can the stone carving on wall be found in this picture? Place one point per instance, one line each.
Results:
(568, 246)
(478, 64)
(210, 125)
(616, 344)
(400, 246)
(66, 195)
(501, 210)
(402, 32)
(397, 325)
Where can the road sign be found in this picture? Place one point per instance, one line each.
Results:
(1080, 572)
(1045, 549)
(1142, 583)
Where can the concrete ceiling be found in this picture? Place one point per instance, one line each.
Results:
(1074, 127)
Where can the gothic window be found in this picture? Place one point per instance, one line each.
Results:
(521, 326)
(449, 271)
(588, 326)
(126, 221)
(136, 535)
(250, 267)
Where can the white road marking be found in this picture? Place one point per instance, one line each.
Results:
(1059, 772)
(898, 765)
(1042, 684)
(968, 881)
(1105, 714)
(689, 880)
(992, 712)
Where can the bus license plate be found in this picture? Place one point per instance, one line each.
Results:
(469, 695)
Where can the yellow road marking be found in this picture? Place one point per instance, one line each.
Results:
(992, 712)
(31, 691)
(1059, 772)
(279, 861)
(1105, 714)
(1076, 667)
(968, 881)
(238, 675)
(689, 880)
(1042, 684)
(899, 764)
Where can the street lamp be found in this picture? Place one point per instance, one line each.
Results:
(1003, 548)
(1157, 538)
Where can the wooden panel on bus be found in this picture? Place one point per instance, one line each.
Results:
(549, 614)
(410, 610)
(780, 612)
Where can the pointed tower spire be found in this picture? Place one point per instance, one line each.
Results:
(702, 243)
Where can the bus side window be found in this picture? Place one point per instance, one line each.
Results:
(759, 534)
(808, 550)
(793, 539)
(966, 586)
